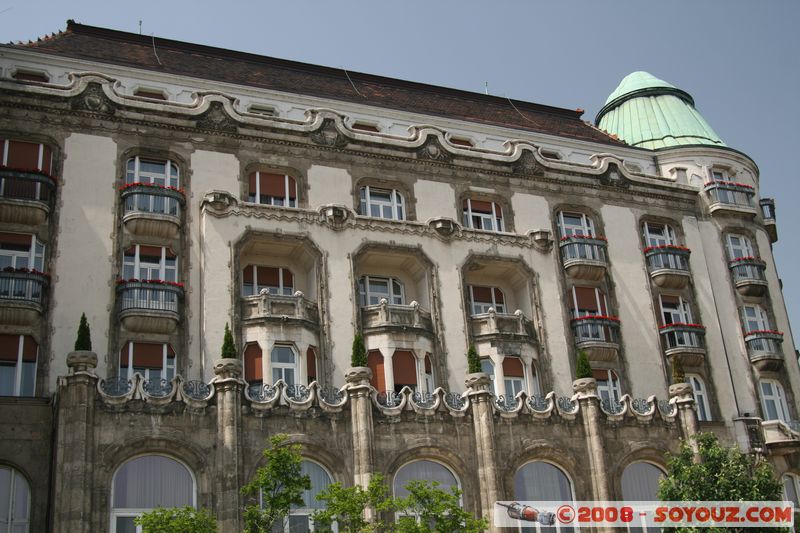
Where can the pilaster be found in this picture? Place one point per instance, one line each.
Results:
(682, 395)
(586, 394)
(479, 391)
(228, 385)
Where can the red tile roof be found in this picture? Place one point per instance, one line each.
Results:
(204, 62)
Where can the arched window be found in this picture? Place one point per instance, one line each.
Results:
(423, 470)
(152, 360)
(299, 518)
(272, 189)
(483, 298)
(773, 400)
(513, 376)
(574, 224)
(658, 234)
(373, 289)
(18, 354)
(404, 365)
(276, 280)
(483, 215)
(607, 385)
(15, 501)
(381, 203)
(144, 483)
(253, 371)
(540, 481)
(791, 489)
(283, 361)
(640, 483)
(700, 397)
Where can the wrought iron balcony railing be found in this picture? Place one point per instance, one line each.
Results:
(145, 198)
(27, 286)
(728, 193)
(578, 247)
(667, 257)
(32, 185)
(149, 295)
(596, 328)
(679, 335)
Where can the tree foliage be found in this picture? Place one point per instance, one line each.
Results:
(430, 509)
(473, 361)
(84, 339)
(345, 507)
(280, 482)
(228, 348)
(583, 369)
(724, 474)
(177, 520)
(358, 357)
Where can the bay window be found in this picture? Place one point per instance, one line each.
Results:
(381, 203)
(272, 189)
(372, 289)
(155, 172)
(25, 157)
(154, 361)
(18, 355)
(276, 280)
(481, 299)
(483, 215)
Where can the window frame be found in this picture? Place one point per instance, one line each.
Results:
(34, 255)
(14, 522)
(136, 264)
(650, 239)
(496, 223)
(683, 311)
(396, 203)
(777, 395)
(275, 201)
(366, 294)
(169, 364)
(701, 400)
(498, 307)
(746, 246)
(281, 288)
(586, 228)
(282, 367)
(20, 370)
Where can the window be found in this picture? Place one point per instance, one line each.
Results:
(272, 189)
(145, 483)
(373, 289)
(700, 397)
(299, 519)
(381, 203)
(487, 367)
(283, 361)
(658, 235)
(540, 481)
(483, 215)
(429, 381)
(423, 470)
(26, 157)
(253, 371)
(18, 354)
(150, 263)
(739, 246)
(276, 280)
(153, 94)
(513, 376)
(267, 111)
(607, 385)
(152, 171)
(675, 310)
(404, 365)
(154, 361)
(364, 126)
(15, 498)
(29, 75)
(571, 224)
(791, 489)
(461, 141)
(773, 400)
(572, 229)
(19, 250)
(588, 302)
(376, 363)
(640, 483)
(755, 319)
(481, 299)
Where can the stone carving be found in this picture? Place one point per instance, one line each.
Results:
(94, 100)
(527, 165)
(216, 119)
(614, 177)
(444, 226)
(433, 150)
(329, 135)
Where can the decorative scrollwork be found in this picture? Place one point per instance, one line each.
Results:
(506, 403)
(116, 386)
(665, 407)
(566, 405)
(262, 393)
(157, 388)
(298, 393)
(424, 399)
(331, 395)
(389, 398)
(196, 389)
(455, 400)
(537, 402)
(612, 407)
(641, 406)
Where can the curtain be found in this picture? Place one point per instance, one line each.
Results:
(153, 481)
(423, 470)
(539, 481)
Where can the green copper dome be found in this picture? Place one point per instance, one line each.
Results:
(647, 112)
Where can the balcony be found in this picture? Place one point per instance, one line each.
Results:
(770, 222)
(729, 198)
(152, 210)
(26, 196)
(149, 306)
(749, 275)
(584, 257)
(598, 336)
(668, 265)
(684, 342)
(493, 326)
(267, 307)
(22, 295)
(781, 437)
(387, 318)
(764, 349)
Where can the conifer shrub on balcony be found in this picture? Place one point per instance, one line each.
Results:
(84, 340)
(228, 348)
(358, 356)
(473, 361)
(583, 369)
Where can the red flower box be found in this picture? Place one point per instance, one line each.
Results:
(579, 236)
(747, 258)
(682, 324)
(763, 332)
(667, 247)
(150, 281)
(152, 185)
(733, 183)
(29, 170)
(598, 317)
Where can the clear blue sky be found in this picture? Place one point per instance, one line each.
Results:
(738, 59)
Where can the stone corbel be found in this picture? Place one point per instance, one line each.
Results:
(542, 239)
(219, 200)
(335, 215)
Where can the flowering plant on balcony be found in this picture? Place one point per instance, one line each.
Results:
(596, 317)
(29, 171)
(672, 247)
(151, 185)
(26, 271)
(581, 236)
(763, 332)
(746, 258)
(152, 281)
(682, 325)
(730, 183)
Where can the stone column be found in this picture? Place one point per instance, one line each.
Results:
(683, 397)
(479, 391)
(74, 450)
(357, 379)
(586, 393)
(228, 385)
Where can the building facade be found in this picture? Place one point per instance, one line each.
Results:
(165, 189)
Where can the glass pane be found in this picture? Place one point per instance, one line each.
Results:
(539, 481)
(28, 379)
(298, 524)
(125, 524)
(7, 379)
(319, 481)
(5, 494)
(789, 490)
(282, 354)
(20, 498)
(153, 481)
(640, 482)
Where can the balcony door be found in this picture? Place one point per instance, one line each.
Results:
(658, 234)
